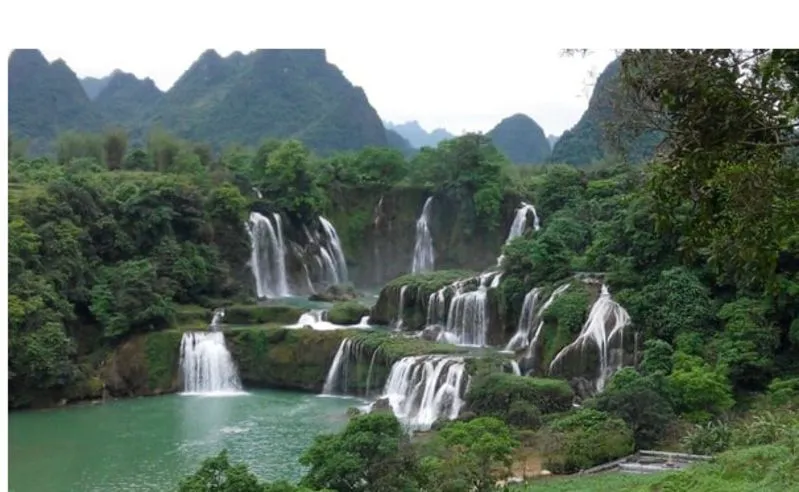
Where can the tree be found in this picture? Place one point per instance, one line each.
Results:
(475, 451)
(372, 453)
(727, 129)
(115, 144)
(217, 474)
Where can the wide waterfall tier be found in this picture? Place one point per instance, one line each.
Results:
(467, 318)
(423, 253)
(206, 365)
(424, 389)
(599, 348)
(346, 374)
(268, 256)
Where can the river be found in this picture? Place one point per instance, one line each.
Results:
(149, 444)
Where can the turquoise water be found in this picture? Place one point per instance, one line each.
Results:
(149, 444)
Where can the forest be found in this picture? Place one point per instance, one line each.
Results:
(700, 244)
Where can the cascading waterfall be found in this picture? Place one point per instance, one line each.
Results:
(267, 256)
(467, 319)
(335, 246)
(217, 320)
(519, 224)
(437, 307)
(350, 352)
(399, 323)
(539, 317)
(423, 254)
(316, 319)
(206, 364)
(423, 389)
(522, 336)
(604, 327)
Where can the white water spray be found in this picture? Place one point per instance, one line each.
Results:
(206, 365)
(605, 329)
(423, 253)
(423, 389)
(267, 256)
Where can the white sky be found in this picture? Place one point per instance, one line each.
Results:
(460, 90)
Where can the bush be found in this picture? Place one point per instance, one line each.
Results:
(494, 393)
(584, 439)
(347, 313)
(634, 399)
(709, 438)
(523, 415)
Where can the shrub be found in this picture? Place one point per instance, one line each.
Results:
(257, 315)
(493, 394)
(584, 439)
(347, 313)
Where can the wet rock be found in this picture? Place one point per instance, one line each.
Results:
(335, 293)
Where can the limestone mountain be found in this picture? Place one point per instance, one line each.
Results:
(418, 137)
(397, 141)
(241, 98)
(45, 99)
(93, 85)
(521, 139)
(587, 141)
(127, 100)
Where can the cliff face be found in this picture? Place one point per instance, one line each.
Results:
(378, 232)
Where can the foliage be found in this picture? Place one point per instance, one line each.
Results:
(699, 390)
(585, 438)
(636, 400)
(475, 450)
(492, 394)
(372, 453)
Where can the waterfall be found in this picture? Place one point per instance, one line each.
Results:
(514, 367)
(468, 318)
(217, 319)
(520, 221)
(521, 337)
(520, 224)
(350, 352)
(317, 320)
(331, 272)
(604, 326)
(257, 193)
(539, 317)
(437, 307)
(422, 389)
(335, 245)
(268, 256)
(423, 254)
(206, 364)
(398, 324)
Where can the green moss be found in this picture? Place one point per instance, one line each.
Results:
(347, 313)
(192, 315)
(430, 281)
(162, 353)
(256, 314)
(493, 393)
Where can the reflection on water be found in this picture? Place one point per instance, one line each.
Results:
(148, 444)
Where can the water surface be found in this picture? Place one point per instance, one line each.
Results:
(149, 444)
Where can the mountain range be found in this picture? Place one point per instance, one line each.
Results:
(417, 136)
(241, 98)
(245, 98)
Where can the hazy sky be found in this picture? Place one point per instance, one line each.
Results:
(460, 90)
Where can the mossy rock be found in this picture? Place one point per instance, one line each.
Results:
(347, 313)
(418, 288)
(146, 364)
(334, 293)
(262, 314)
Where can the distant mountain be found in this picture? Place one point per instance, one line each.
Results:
(236, 99)
(127, 100)
(45, 99)
(521, 139)
(586, 142)
(552, 139)
(397, 141)
(413, 132)
(93, 85)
